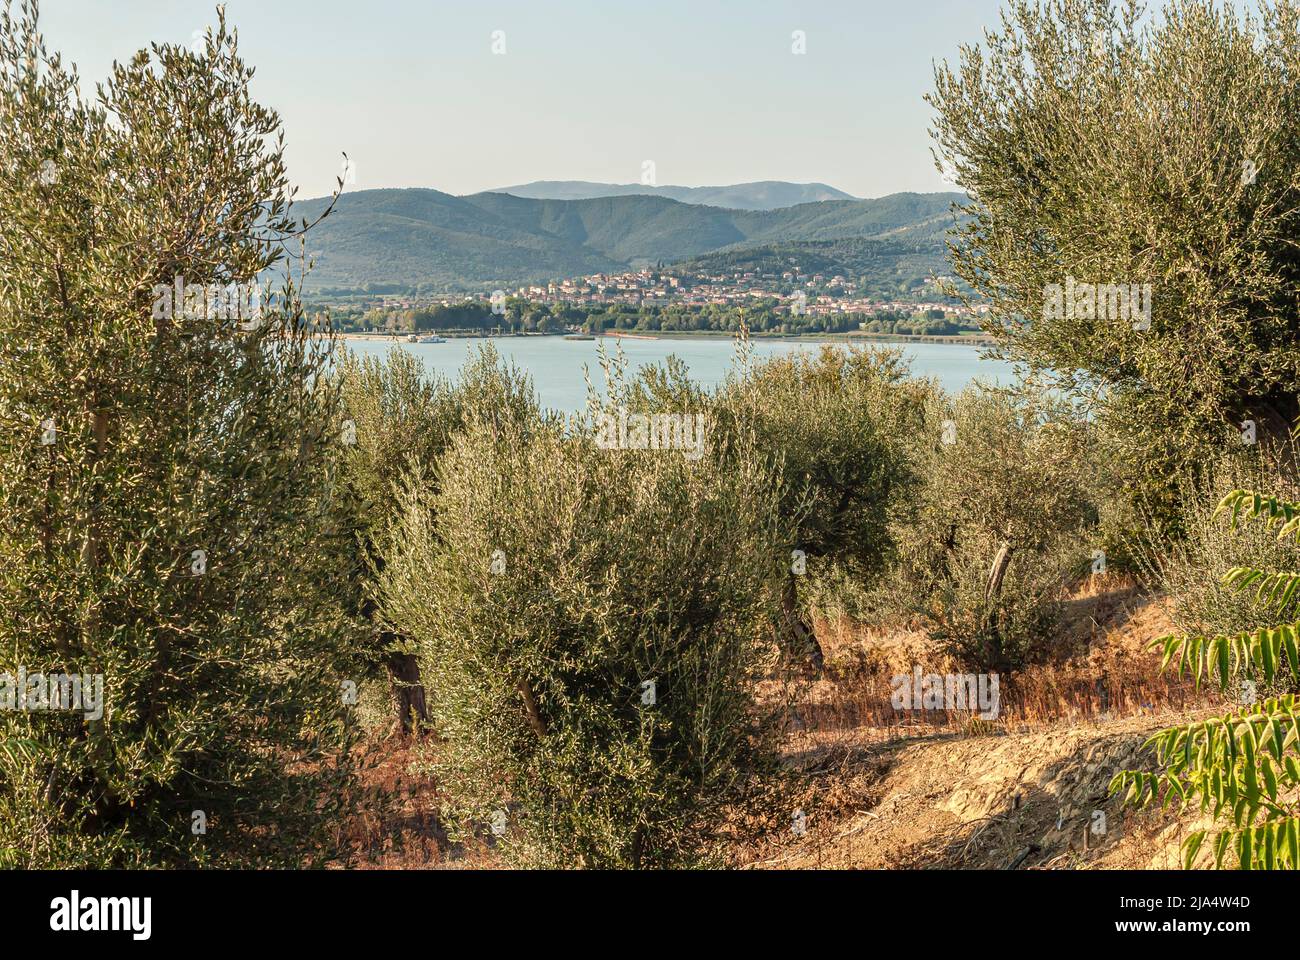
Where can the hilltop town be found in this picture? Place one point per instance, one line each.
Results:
(821, 302)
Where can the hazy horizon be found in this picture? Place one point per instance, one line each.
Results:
(499, 188)
(417, 97)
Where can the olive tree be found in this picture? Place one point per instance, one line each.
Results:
(589, 621)
(997, 533)
(166, 454)
(396, 415)
(1133, 184)
(835, 428)
(400, 418)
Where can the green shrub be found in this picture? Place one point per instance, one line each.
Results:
(546, 581)
(1190, 570)
(1243, 769)
(401, 414)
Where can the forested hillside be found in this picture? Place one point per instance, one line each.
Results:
(426, 237)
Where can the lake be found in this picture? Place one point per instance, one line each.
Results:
(555, 364)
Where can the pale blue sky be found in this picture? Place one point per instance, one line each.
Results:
(707, 89)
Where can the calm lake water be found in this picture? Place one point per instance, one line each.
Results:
(555, 364)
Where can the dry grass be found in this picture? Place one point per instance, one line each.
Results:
(1102, 669)
(889, 789)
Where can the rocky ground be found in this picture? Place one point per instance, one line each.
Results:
(1012, 801)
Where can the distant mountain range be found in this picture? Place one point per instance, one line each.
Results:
(429, 240)
(762, 195)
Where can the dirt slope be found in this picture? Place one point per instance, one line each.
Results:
(1018, 800)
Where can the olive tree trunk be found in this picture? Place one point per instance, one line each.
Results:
(407, 689)
(799, 637)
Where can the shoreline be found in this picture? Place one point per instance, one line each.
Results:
(956, 340)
